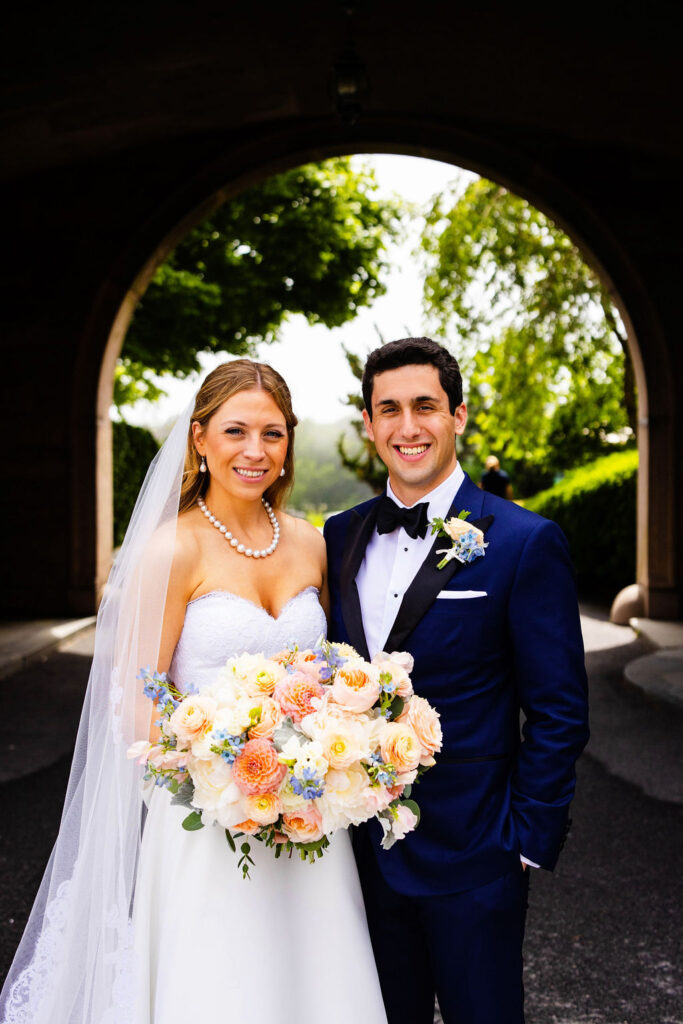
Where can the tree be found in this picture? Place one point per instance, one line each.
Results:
(540, 343)
(307, 241)
(361, 458)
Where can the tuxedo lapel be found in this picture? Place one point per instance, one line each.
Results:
(357, 538)
(429, 580)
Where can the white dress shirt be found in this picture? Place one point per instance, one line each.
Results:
(391, 562)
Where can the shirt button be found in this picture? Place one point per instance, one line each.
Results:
(395, 595)
(405, 549)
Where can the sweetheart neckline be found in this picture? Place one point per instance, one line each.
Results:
(238, 597)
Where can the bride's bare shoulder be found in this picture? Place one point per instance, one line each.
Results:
(176, 543)
(304, 533)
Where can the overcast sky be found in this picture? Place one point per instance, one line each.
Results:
(311, 358)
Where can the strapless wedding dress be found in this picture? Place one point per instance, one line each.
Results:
(289, 946)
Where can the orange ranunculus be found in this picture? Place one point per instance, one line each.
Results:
(265, 808)
(271, 716)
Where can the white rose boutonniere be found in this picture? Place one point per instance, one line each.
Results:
(468, 540)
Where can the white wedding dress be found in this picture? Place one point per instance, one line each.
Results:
(290, 945)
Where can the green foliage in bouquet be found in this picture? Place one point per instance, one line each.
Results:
(595, 506)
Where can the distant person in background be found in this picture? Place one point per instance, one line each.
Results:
(495, 480)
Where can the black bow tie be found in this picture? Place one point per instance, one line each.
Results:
(390, 516)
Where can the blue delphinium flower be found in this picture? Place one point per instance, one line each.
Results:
(309, 787)
(229, 747)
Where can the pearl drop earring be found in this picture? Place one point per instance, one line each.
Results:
(282, 471)
(202, 465)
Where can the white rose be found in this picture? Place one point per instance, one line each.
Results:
(233, 718)
(344, 742)
(290, 800)
(213, 785)
(345, 798)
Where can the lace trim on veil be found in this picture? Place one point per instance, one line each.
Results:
(29, 990)
(27, 994)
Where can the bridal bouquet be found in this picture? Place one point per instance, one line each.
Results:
(291, 748)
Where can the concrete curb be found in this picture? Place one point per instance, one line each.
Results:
(24, 642)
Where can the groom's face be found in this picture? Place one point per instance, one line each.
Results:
(413, 429)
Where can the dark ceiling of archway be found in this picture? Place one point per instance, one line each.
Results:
(81, 86)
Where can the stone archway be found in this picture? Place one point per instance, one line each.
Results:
(250, 162)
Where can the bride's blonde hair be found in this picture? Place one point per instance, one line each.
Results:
(227, 380)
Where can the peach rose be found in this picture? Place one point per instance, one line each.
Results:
(264, 808)
(356, 685)
(455, 528)
(257, 769)
(304, 825)
(424, 720)
(401, 747)
(404, 659)
(295, 694)
(193, 717)
(271, 716)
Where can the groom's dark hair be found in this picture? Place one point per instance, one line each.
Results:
(408, 352)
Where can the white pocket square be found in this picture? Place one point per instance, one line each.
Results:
(454, 594)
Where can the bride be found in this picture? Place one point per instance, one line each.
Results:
(137, 920)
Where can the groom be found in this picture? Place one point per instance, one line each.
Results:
(446, 906)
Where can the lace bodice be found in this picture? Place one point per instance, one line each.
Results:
(220, 624)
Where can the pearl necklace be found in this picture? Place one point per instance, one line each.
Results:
(234, 542)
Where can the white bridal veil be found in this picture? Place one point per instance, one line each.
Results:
(74, 964)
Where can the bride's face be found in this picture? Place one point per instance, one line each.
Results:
(244, 443)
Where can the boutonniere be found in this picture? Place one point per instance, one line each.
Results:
(468, 540)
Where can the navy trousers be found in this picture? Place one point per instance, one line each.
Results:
(466, 948)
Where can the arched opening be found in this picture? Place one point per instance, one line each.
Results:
(252, 163)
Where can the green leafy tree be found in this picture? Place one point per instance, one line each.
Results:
(359, 455)
(309, 241)
(541, 345)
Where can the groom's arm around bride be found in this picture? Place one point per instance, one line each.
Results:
(493, 632)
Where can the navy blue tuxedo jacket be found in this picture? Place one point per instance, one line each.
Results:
(494, 793)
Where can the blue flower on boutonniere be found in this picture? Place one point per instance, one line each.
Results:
(468, 540)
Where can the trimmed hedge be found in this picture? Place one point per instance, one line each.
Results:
(595, 505)
(134, 449)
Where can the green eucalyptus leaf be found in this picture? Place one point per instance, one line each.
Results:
(193, 822)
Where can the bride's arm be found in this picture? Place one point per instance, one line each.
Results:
(181, 584)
